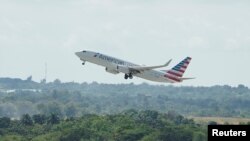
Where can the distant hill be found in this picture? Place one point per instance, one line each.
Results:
(16, 83)
(75, 99)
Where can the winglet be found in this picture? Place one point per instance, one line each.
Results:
(167, 63)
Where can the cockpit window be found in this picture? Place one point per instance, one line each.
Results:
(84, 51)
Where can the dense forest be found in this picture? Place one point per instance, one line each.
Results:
(72, 111)
(126, 126)
(19, 97)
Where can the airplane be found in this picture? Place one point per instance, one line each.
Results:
(115, 66)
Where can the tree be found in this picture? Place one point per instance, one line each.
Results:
(175, 134)
(70, 111)
(57, 81)
(149, 117)
(55, 108)
(43, 81)
(39, 118)
(212, 123)
(26, 120)
(29, 78)
(53, 119)
(4, 122)
(199, 136)
(8, 110)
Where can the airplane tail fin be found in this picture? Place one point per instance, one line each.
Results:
(176, 73)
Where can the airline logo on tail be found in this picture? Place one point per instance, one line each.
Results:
(176, 73)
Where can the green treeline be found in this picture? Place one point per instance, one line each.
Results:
(18, 97)
(72, 111)
(126, 126)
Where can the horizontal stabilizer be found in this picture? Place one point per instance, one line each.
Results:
(183, 78)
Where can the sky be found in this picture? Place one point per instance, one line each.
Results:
(215, 33)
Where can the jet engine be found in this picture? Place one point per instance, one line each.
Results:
(112, 70)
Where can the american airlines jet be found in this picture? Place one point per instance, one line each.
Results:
(115, 66)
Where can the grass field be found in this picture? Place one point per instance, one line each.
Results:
(220, 120)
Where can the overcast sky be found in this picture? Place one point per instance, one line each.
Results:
(216, 34)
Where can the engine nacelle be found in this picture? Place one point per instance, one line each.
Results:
(112, 70)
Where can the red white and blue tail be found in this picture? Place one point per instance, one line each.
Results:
(176, 73)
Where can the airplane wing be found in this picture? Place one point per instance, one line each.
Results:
(143, 68)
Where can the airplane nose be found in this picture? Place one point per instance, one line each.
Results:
(78, 54)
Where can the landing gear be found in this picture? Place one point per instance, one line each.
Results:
(126, 76)
(83, 63)
(130, 76)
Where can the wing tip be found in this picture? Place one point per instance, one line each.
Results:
(168, 62)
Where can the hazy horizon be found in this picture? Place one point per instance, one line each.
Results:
(215, 34)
